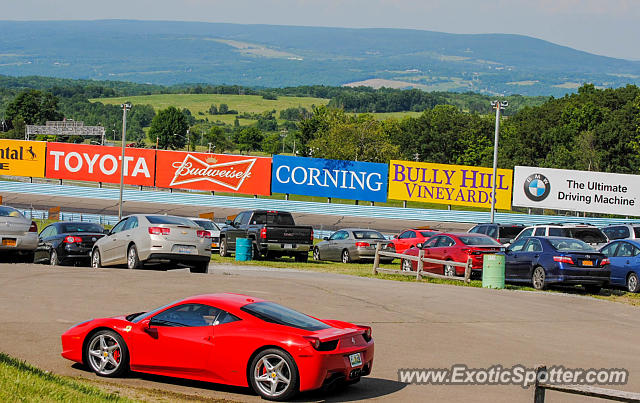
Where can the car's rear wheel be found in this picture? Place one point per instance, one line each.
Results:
(133, 261)
(406, 265)
(200, 267)
(53, 258)
(633, 285)
(450, 270)
(346, 257)
(107, 354)
(274, 375)
(223, 248)
(96, 262)
(538, 278)
(316, 254)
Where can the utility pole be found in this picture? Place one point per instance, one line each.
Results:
(498, 106)
(125, 108)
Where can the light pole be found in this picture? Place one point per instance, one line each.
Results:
(498, 106)
(125, 108)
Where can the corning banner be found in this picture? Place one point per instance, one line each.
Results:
(214, 172)
(448, 184)
(330, 178)
(22, 158)
(84, 162)
(563, 189)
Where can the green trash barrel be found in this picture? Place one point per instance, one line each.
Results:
(243, 249)
(493, 271)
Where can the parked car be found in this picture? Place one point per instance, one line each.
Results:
(624, 256)
(622, 231)
(585, 232)
(351, 245)
(228, 339)
(141, 239)
(411, 237)
(67, 242)
(18, 234)
(273, 234)
(542, 261)
(503, 233)
(454, 247)
(213, 229)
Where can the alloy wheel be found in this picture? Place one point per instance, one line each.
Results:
(272, 375)
(450, 270)
(406, 265)
(316, 254)
(104, 354)
(538, 278)
(632, 283)
(53, 260)
(95, 259)
(345, 256)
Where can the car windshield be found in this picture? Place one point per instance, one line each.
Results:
(367, 235)
(167, 219)
(479, 240)
(510, 232)
(81, 227)
(143, 315)
(208, 225)
(6, 211)
(274, 313)
(570, 245)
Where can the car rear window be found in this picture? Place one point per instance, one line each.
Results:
(427, 234)
(274, 313)
(589, 235)
(570, 245)
(81, 227)
(367, 235)
(479, 240)
(272, 219)
(6, 211)
(206, 224)
(167, 219)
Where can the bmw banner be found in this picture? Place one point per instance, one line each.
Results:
(351, 180)
(562, 189)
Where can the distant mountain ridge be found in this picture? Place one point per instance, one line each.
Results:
(166, 52)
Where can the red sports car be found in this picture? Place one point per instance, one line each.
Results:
(226, 338)
(456, 247)
(411, 237)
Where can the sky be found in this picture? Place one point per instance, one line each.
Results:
(603, 27)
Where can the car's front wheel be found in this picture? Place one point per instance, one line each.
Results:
(633, 285)
(316, 254)
(450, 270)
(538, 278)
(406, 265)
(274, 375)
(96, 263)
(107, 354)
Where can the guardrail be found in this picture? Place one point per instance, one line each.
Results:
(421, 260)
(582, 390)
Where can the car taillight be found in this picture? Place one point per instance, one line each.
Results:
(314, 341)
(72, 239)
(367, 333)
(563, 259)
(203, 233)
(263, 233)
(362, 244)
(605, 261)
(159, 231)
(33, 227)
(312, 235)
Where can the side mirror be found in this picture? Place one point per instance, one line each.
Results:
(228, 222)
(419, 245)
(395, 237)
(326, 238)
(106, 231)
(148, 329)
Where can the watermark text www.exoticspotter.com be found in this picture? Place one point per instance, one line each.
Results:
(461, 374)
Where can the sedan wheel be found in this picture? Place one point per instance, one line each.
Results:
(406, 265)
(633, 285)
(538, 278)
(133, 262)
(316, 254)
(53, 260)
(346, 258)
(96, 263)
(274, 375)
(450, 270)
(223, 248)
(107, 354)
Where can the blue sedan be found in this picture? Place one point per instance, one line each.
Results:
(556, 260)
(624, 255)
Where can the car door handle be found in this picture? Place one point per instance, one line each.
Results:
(536, 256)
(628, 262)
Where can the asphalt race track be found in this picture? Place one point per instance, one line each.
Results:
(414, 325)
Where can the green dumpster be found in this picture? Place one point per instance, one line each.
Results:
(493, 271)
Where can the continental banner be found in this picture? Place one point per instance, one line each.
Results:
(84, 162)
(449, 184)
(22, 158)
(214, 172)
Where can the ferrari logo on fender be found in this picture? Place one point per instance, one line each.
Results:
(127, 329)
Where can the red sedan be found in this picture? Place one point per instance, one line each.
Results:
(411, 237)
(226, 338)
(455, 247)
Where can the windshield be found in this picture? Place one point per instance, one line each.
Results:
(167, 219)
(143, 315)
(6, 211)
(570, 245)
(274, 313)
(479, 240)
(367, 235)
(81, 227)
(206, 224)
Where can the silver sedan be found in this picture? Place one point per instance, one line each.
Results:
(352, 244)
(145, 239)
(17, 233)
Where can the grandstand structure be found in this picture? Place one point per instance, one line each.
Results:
(65, 128)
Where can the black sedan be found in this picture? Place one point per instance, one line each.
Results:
(542, 261)
(67, 243)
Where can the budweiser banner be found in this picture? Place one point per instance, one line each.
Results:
(214, 172)
(100, 163)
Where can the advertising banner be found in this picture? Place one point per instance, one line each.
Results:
(214, 172)
(351, 180)
(562, 189)
(448, 184)
(100, 163)
(22, 158)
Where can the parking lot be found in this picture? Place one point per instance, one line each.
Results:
(415, 325)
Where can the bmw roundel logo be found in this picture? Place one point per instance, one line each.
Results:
(537, 187)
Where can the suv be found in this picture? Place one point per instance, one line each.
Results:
(585, 232)
(622, 231)
(503, 233)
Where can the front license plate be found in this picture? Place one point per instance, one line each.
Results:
(8, 242)
(288, 246)
(355, 360)
(587, 263)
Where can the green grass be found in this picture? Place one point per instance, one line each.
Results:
(22, 382)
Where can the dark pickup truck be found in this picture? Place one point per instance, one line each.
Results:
(273, 234)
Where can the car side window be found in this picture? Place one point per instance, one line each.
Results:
(238, 220)
(518, 245)
(338, 236)
(411, 234)
(610, 250)
(404, 235)
(186, 315)
(47, 232)
(533, 245)
(557, 232)
(624, 250)
(132, 223)
(525, 233)
(619, 232)
(432, 242)
(540, 231)
(119, 226)
(445, 241)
